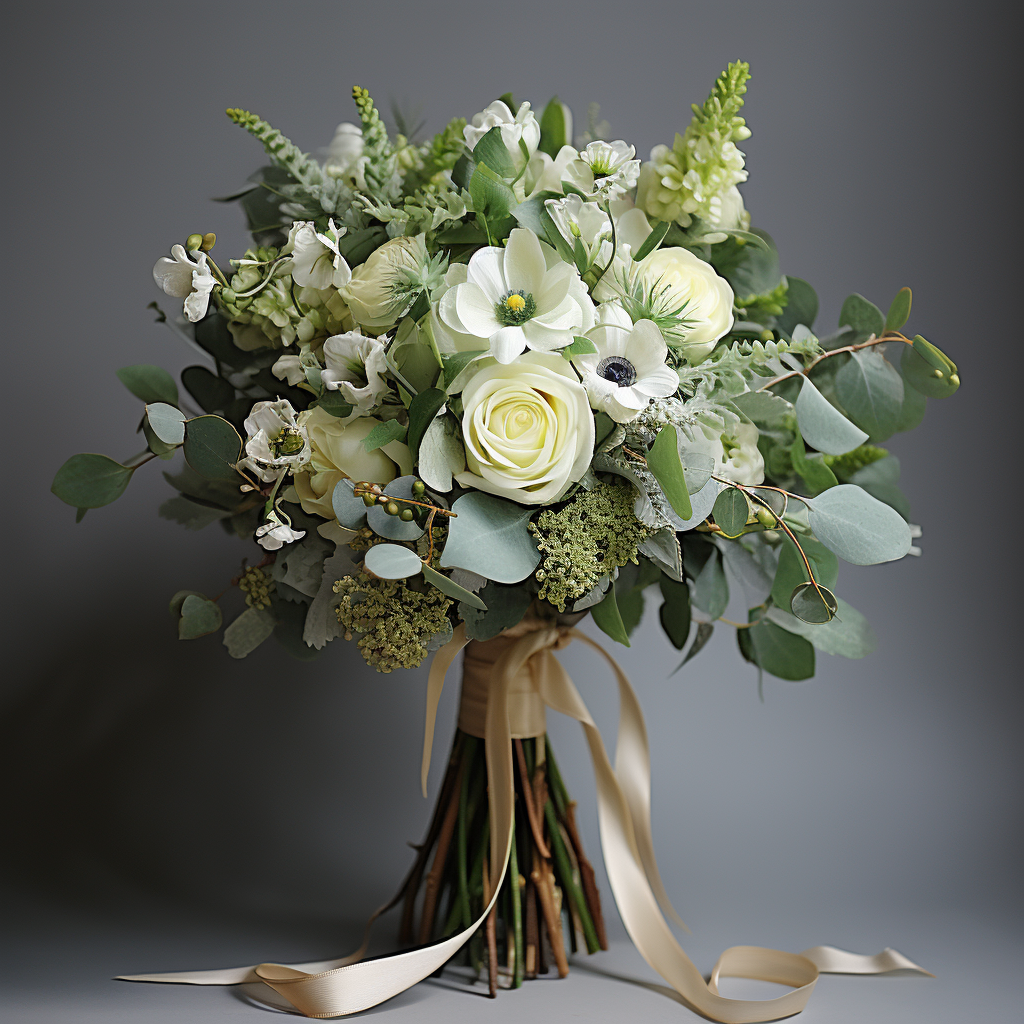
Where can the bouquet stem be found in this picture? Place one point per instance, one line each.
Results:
(548, 893)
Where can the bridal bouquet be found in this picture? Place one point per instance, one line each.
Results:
(461, 389)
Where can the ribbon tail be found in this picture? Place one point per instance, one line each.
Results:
(830, 960)
(435, 684)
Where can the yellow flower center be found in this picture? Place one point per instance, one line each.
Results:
(515, 303)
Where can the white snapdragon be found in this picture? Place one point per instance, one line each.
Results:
(275, 533)
(629, 367)
(316, 260)
(518, 297)
(355, 366)
(515, 128)
(185, 278)
(276, 444)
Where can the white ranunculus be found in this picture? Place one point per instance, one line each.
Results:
(628, 369)
(275, 533)
(316, 260)
(517, 297)
(275, 444)
(355, 366)
(741, 461)
(683, 281)
(184, 278)
(371, 294)
(345, 158)
(338, 452)
(528, 429)
(521, 126)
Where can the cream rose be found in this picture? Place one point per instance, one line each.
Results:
(371, 292)
(682, 279)
(338, 452)
(528, 429)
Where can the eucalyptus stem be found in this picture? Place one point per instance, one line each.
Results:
(569, 886)
(463, 827)
(517, 914)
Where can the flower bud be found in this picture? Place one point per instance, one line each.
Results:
(193, 242)
(209, 240)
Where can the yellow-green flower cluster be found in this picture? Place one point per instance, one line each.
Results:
(256, 585)
(844, 466)
(580, 543)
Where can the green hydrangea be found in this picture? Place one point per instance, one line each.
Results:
(697, 176)
(589, 537)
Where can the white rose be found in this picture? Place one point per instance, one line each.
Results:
(371, 294)
(683, 280)
(338, 452)
(528, 429)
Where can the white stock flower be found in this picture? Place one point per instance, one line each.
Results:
(345, 158)
(355, 365)
(316, 260)
(628, 369)
(276, 444)
(183, 278)
(517, 297)
(679, 280)
(528, 429)
(275, 533)
(741, 460)
(521, 126)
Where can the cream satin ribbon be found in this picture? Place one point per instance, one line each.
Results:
(335, 988)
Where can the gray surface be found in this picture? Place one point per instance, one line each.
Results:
(168, 808)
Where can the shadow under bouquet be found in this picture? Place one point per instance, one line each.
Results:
(463, 392)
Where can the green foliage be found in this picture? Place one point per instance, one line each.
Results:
(860, 314)
(844, 466)
(190, 514)
(871, 392)
(383, 180)
(858, 527)
(777, 651)
(422, 410)
(848, 634)
(384, 433)
(664, 462)
(392, 562)
(90, 481)
(801, 306)
(899, 311)
(585, 540)
(791, 571)
(199, 617)
(280, 149)
(652, 241)
(448, 586)
(213, 393)
(731, 511)
(710, 587)
(505, 608)
(929, 370)
(815, 474)
(554, 133)
(674, 613)
(248, 631)
(823, 426)
(444, 149)
(150, 383)
(608, 618)
(491, 537)
(813, 603)
(764, 308)
(167, 422)
(212, 448)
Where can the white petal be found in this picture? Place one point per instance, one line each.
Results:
(507, 343)
(660, 384)
(557, 282)
(486, 270)
(172, 277)
(524, 262)
(475, 310)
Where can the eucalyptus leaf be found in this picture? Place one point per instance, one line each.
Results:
(914, 407)
(764, 408)
(861, 315)
(90, 481)
(392, 562)
(488, 535)
(168, 423)
(212, 447)
(422, 410)
(779, 652)
(199, 617)
(349, 508)
(731, 511)
(248, 631)
(881, 480)
(813, 603)
(441, 455)
(791, 571)
(705, 630)
(150, 383)
(871, 391)
(745, 569)
(190, 514)
(213, 393)
(816, 475)
(452, 589)
(393, 527)
(702, 502)
(857, 527)
(711, 588)
(384, 433)
(848, 635)
(899, 311)
(674, 613)
(822, 425)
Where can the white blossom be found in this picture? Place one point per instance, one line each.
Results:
(355, 365)
(276, 444)
(275, 533)
(184, 278)
(316, 259)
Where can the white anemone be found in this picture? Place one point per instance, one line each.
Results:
(628, 369)
(355, 366)
(186, 279)
(316, 260)
(521, 296)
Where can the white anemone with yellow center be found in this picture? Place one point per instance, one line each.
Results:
(628, 369)
(528, 429)
(518, 297)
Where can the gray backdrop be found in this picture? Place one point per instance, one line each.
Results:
(169, 808)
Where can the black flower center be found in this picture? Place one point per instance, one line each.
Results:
(618, 370)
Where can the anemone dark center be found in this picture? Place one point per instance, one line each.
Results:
(618, 370)
(515, 308)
